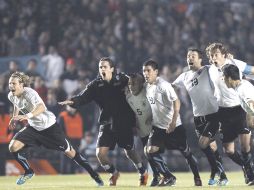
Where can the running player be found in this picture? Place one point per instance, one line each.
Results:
(116, 119)
(139, 103)
(42, 128)
(200, 88)
(244, 88)
(231, 114)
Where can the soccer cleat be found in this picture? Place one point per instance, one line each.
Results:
(113, 179)
(143, 179)
(222, 182)
(98, 181)
(24, 177)
(212, 181)
(167, 181)
(248, 174)
(197, 181)
(155, 181)
(251, 183)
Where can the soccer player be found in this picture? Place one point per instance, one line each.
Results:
(140, 105)
(117, 119)
(231, 114)
(167, 131)
(42, 128)
(244, 88)
(200, 88)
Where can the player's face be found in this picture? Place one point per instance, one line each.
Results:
(150, 74)
(105, 70)
(15, 86)
(135, 85)
(193, 60)
(218, 58)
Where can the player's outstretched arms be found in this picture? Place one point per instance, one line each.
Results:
(66, 102)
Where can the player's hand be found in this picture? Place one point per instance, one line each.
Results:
(66, 102)
(171, 127)
(12, 124)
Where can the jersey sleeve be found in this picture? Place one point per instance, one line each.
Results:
(33, 97)
(170, 93)
(179, 81)
(85, 96)
(241, 65)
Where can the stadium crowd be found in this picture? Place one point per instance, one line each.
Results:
(71, 36)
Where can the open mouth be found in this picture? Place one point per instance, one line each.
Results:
(190, 64)
(103, 74)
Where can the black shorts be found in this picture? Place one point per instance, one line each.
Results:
(51, 138)
(109, 138)
(207, 125)
(172, 141)
(233, 123)
(144, 140)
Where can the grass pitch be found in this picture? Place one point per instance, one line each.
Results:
(127, 181)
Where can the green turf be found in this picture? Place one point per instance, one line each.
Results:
(126, 181)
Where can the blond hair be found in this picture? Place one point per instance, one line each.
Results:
(23, 78)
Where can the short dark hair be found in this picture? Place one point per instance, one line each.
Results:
(231, 71)
(137, 76)
(200, 53)
(109, 60)
(151, 63)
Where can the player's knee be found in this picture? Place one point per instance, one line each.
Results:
(100, 154)
(71, 153)
(152, 149)
(14, 146)
(203, 143)
(229, 152)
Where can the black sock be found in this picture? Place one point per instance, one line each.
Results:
(160, 164)
(141, 169)
(236, 158)
(153, 167)
(23, 162)
(111, 169)
(80, 160)
(211, 159)
(192, 163)
(218, 156)
(219, 164)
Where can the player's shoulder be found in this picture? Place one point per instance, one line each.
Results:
(28, 91)
(162, 84)
(10, 96)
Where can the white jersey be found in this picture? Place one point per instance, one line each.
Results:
(227, 97)
(143, 112)
(200, 89)
(26, 104)
(245, 92)
(161, 96)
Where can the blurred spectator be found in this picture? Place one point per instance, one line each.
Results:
(13, 67)
(72, 124)
(61, 95)
(51, 102)
(70, 77)
(31, 71)
(39, 86)
(5, 137)
(3, 95)
(54, 64)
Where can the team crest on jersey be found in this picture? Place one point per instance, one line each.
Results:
(144, 103)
